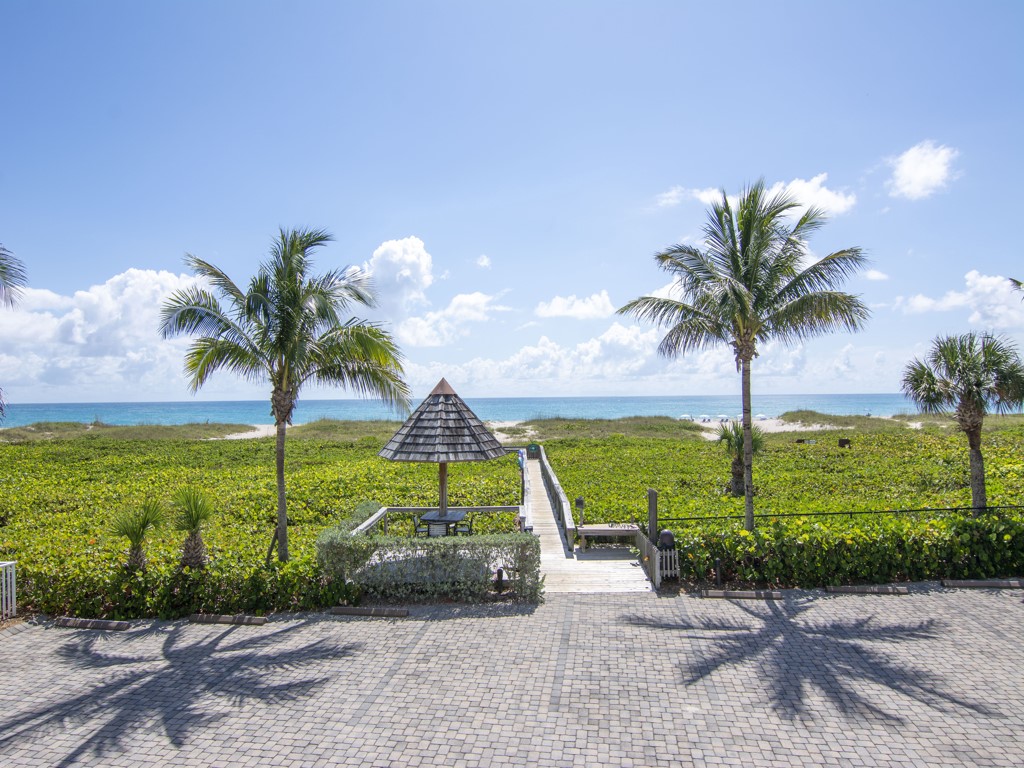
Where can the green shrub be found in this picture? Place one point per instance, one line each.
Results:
(449, 567)
(810, 552)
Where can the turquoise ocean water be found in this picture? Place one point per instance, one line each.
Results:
(487, 408)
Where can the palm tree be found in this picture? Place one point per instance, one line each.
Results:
(193, 510)
(133, 524)
(12, 281)
(286, 328)
(731, 437)
(749, 285)
(970, 374)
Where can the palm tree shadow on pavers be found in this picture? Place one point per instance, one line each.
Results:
(793, 657)
(170, 688)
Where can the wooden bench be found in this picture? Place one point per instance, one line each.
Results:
(606, 529)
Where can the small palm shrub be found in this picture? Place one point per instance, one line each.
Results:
(192, 509)
(731, 437)
(133, 524)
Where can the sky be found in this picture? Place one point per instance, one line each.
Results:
(506, 171)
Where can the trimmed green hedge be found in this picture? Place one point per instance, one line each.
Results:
(808, 553)
(108, 590)
(449, 567)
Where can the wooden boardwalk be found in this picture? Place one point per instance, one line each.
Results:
(567, 569)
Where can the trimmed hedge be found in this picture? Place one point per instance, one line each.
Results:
(449, 567)
(111, 591)
(808, 553)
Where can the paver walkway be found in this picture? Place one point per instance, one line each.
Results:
(568, 570)
(935, 678)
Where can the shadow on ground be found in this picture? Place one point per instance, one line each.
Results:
(169, 688)
(842, 659)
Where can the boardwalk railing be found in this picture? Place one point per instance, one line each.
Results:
(8, 596)
(526, 510)
(380, 517)
(559, 502)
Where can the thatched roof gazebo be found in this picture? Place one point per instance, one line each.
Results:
(443, 429)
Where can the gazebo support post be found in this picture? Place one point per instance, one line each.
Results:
(442, 473)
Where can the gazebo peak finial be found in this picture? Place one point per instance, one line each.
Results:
(443, 388)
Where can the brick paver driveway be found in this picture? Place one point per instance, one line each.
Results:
(933, 678)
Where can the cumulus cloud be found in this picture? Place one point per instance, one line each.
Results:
(593, 307)
(807, 192)
(921, 171)
(620, 353)
(483, 261)
(677, 194)
(435, 329)
(402, 271)
(874, 274)
(991, 299)
(97, 344)
(813, 192)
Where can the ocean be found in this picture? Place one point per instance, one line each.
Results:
(487, 408)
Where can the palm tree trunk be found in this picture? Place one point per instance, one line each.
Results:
(136, 558)
(748, 446)
(193, 551)
(282, 510)
(736, 486)
(979, 499)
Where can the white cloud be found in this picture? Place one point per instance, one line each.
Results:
(483, 261)
(874, 274)
(677, 194)
(813, 192)
(806, 192)
(992, 301)
(402, 270)
(921, 171)
(98, 344)
(435, 329)
(596, 306)
(618, 354)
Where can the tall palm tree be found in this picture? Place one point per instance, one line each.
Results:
(970, 375)
(752, 282)
(287, 329)
(731, 437)
(12, 281)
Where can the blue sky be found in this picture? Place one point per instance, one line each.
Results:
(506, 170)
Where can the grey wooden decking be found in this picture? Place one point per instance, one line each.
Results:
(568, 569)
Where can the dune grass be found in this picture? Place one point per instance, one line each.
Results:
(67, 430)
(857, 423)
(633, 426)
(351, 431)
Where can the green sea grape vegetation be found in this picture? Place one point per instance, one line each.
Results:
(58, 498)
(885, 470)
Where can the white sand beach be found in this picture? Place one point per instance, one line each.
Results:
(256, 430)
(768, 426)
(498, 428)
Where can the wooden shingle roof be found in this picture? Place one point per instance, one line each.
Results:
(443, 429)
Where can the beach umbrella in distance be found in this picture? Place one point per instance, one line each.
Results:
(443, 429)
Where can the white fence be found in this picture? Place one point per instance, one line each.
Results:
(8, 597)
(660, 564)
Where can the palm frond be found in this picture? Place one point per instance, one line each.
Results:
(816, 314)
(193, 508)
(13, 278)
(209, 354)
(216, 277)
(362, 358)
(134, 523)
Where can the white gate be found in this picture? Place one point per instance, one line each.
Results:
(8, 601)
